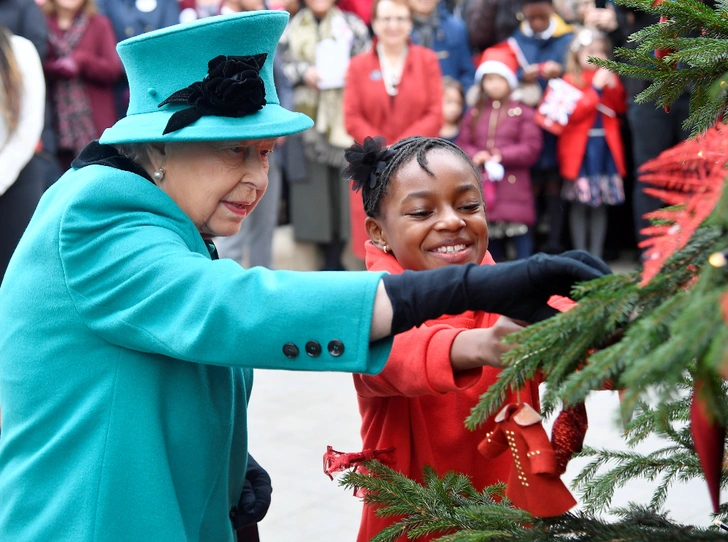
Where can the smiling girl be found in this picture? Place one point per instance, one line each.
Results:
(425, 210)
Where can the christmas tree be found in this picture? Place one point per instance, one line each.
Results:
(661, 331)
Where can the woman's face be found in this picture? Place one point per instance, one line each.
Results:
(319, 7)
(496, 86)
(393, 23)
(430, 222)
(217, 184)
(452, 105)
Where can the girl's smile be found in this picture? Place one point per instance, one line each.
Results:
(433, 221)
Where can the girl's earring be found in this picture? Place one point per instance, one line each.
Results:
(385, 248)
(159, 174)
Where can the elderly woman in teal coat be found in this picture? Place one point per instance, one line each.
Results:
(126, 346)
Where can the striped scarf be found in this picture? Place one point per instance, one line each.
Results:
(74, 121)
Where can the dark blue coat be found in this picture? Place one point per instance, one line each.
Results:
(451, 46)
(128, 21)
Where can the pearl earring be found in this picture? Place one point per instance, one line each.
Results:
(385, 248)
(159, 174)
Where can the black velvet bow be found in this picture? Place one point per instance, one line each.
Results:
(367, 161)
(231, 88)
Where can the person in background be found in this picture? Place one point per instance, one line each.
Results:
(318, 199)
(590, 149)
(82, 68)
(500, 136)
(25, 18)
(490, 21)
(393, 90)
(256, 233)
(436, 29)
(453, 108)
(21, 123)
(543, 40)
(653, 129)
(191, 10)
(131, 18)
(603, 19)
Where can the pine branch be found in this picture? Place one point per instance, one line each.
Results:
(697, 37)
(451, 506)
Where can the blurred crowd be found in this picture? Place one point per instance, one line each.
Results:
(558, 140)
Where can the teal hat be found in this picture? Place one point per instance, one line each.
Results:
(208, 80)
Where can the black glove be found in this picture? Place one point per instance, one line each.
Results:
(255, 497)
(517, 289)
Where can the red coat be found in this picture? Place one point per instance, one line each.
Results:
(100, 67)
(418, 405)
(370, 111)
(519, 141)
(572, 142)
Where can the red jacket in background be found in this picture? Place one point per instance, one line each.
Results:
(572, 142)
(362, 8)
(100, 67)
(418, 405)
(519, 141)
(370, 111)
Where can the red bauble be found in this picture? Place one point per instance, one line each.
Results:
(567, 434)
(709, 440)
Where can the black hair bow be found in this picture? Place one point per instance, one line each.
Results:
(231, 88)
(367, 161)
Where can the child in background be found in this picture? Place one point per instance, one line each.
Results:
(453, 107)
(590, 149)
(542, 42)
(425, 210)
(500, 136)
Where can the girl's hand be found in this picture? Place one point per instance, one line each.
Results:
(530, 74)
(495, 155)
(551, 69)
(479, 347)
(480, 158)
(602, 78)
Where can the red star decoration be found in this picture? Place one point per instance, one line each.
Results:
(690, 178)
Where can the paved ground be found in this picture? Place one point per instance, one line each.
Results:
(293, 416)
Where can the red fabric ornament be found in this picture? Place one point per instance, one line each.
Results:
(691, 176)
(709, 440)
(567, 434)
(534, 484)
(335, 461)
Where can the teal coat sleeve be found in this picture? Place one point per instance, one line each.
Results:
(140, 277)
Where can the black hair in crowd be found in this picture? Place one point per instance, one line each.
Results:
(372, 164)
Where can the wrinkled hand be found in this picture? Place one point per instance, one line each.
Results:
(66, 67)
(255, 497)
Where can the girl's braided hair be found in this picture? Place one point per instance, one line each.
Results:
(372, 164)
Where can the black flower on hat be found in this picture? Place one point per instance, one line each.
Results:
(366, 161)
(231, 88)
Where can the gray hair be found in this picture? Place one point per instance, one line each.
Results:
(136, 152)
